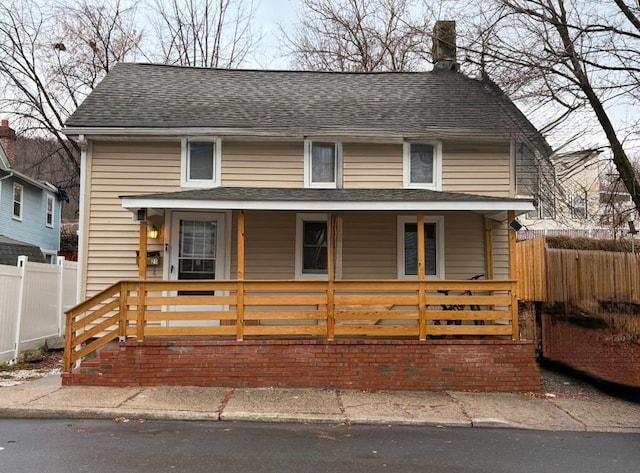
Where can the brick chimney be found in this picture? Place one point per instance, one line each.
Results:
(444, 46)
(8, 141)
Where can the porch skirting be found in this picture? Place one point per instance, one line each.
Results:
(482, 365)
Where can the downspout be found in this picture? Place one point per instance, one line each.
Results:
(82, 250)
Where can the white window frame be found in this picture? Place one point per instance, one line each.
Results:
(185, 181)
(301, 218)
(53, 211)
(13, 201)
(437, 166)
(308, 183)
(439, 221)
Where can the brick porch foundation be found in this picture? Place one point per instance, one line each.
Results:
(494, 365)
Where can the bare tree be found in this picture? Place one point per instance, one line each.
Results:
(51, 57)
(573, 54)
(359, 36)
(205, 33)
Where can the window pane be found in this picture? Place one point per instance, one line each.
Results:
(421, 164)
(201, 161)
(17, 201)
(323, 162)
(411, 248)
(314, 250)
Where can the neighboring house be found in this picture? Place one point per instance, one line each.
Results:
(29, 209)
(305, 181)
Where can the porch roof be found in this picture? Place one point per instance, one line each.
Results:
(253, 198)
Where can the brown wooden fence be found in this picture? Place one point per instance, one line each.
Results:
(576, 276)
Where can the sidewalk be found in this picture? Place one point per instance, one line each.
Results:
(46, 398)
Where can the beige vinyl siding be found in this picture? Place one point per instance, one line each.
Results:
(500, 250)
(464, 245)
(369, 249)
(266, 164)
(270, 243)
(121, 168)
(477, 169)
(367, 166)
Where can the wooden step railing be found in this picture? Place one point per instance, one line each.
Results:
(281, 308)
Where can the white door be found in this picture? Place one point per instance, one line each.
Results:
(197, 252)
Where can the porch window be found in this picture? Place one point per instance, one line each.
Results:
(422, 164)
(408, 247)
(311, 246)
(201, 163)
(50, 208)
(321, 164)
(17, 201)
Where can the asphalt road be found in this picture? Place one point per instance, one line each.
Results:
(72, 446)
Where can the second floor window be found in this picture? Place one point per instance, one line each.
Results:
(50, 207)
(321, 164)
(422, 165)
(17, 201)
(201, 166)
(579, 206)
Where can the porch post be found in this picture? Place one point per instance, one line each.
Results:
(142, 258)
(142, 276)
(513, 267)
(422, 295)
(488, 247)
(240, 288)
(331, 275)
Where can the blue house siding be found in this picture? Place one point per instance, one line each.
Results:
(32, 229)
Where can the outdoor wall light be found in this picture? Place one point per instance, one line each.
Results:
(153, 233)
(515, 225)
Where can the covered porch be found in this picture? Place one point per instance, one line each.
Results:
(321, 305)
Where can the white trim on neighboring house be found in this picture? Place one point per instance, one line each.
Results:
(185, 154)
(13, 201)
(50, 198)
(437, 166)
(328, 206)
(337, 159)
(439, 221)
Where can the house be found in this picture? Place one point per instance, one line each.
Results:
(300, 228)
(29, 210)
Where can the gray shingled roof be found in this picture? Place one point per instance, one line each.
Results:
(260, 194)
(10, 249)
(298, 102)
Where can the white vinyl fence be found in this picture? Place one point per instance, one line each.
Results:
(33, 299)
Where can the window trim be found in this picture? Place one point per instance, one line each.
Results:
(13, 202)
(51, 199)
(437, 166)
(301, 218)
(185, 162)
(308, 146)
(440, 255)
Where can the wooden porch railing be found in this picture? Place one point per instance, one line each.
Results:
(268, 308)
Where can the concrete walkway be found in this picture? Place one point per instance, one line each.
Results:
(46, 398)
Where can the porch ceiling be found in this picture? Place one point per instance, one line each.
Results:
(244, 198)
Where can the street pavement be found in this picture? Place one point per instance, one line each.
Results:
(46, 398)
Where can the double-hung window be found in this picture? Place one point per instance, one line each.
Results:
(201, 163)
(312, 246)
(579, 205)
(50, 210)
(408, 247)
(18, 193)
(321, 164)
(422, 165)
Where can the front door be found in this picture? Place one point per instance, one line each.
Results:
(197, 251)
